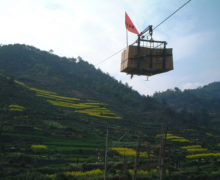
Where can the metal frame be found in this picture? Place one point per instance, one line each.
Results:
(150, 43)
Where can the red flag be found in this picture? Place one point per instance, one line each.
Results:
(129, 25)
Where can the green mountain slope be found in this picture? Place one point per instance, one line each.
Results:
(203, 102)
(207, 97)
(74, 77)
(69, 76)
(53, 117)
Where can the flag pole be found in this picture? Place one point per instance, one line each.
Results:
(126, 37)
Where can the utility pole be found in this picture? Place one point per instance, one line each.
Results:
(106, 154)
(136, 161)
(162, 152)
(161, 160)
(124, 163)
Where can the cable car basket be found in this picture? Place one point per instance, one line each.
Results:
(147, 57)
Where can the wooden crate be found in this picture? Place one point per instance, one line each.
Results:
(149, 62)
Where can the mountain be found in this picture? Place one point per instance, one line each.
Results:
(55, 111)
(203, 101)
(72, 77)
(207, 97)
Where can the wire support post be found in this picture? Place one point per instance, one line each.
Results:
(136, 161)
(106, 154)
(163, 139)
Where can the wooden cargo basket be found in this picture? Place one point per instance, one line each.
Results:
(148, 61)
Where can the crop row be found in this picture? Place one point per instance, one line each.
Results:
(144, 173)
(128, 152)
(15, 107)
(97, 173)
(194, 148)
(38, 146)
(174, 138)
(203, 155)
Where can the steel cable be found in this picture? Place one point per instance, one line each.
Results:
(153, 29)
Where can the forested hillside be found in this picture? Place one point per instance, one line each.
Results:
(204, 102)
(55, 113)
(73, 77)
(40, 67)
(207, 97)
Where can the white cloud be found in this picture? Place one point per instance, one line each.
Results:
(191, 85)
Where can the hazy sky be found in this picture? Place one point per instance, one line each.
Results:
(95, 29)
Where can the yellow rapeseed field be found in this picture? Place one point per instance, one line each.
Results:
(143, 173)
(194, 148)
(174, 138)
(197, 150)
(88, 107)
(92, 173)
(39, 146)
(15, 107)
(128, 152)
(191, 147)
(203, 155)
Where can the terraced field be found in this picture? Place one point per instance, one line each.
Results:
(88, 107)
(68, 143)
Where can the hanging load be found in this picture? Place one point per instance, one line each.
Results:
(145, 56)
(146, 60)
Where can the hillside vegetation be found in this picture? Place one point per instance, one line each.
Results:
(204, 102)
(54, 113)
(194, 100)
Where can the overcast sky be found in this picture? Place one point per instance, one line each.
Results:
(95, 29)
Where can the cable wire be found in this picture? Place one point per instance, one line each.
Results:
(109, 57)
(153, 29)
(171, 14)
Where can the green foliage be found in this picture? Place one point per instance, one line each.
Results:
(54, 124)
(145, 174)
(29, 176)
(203, 103)
(62, 102)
